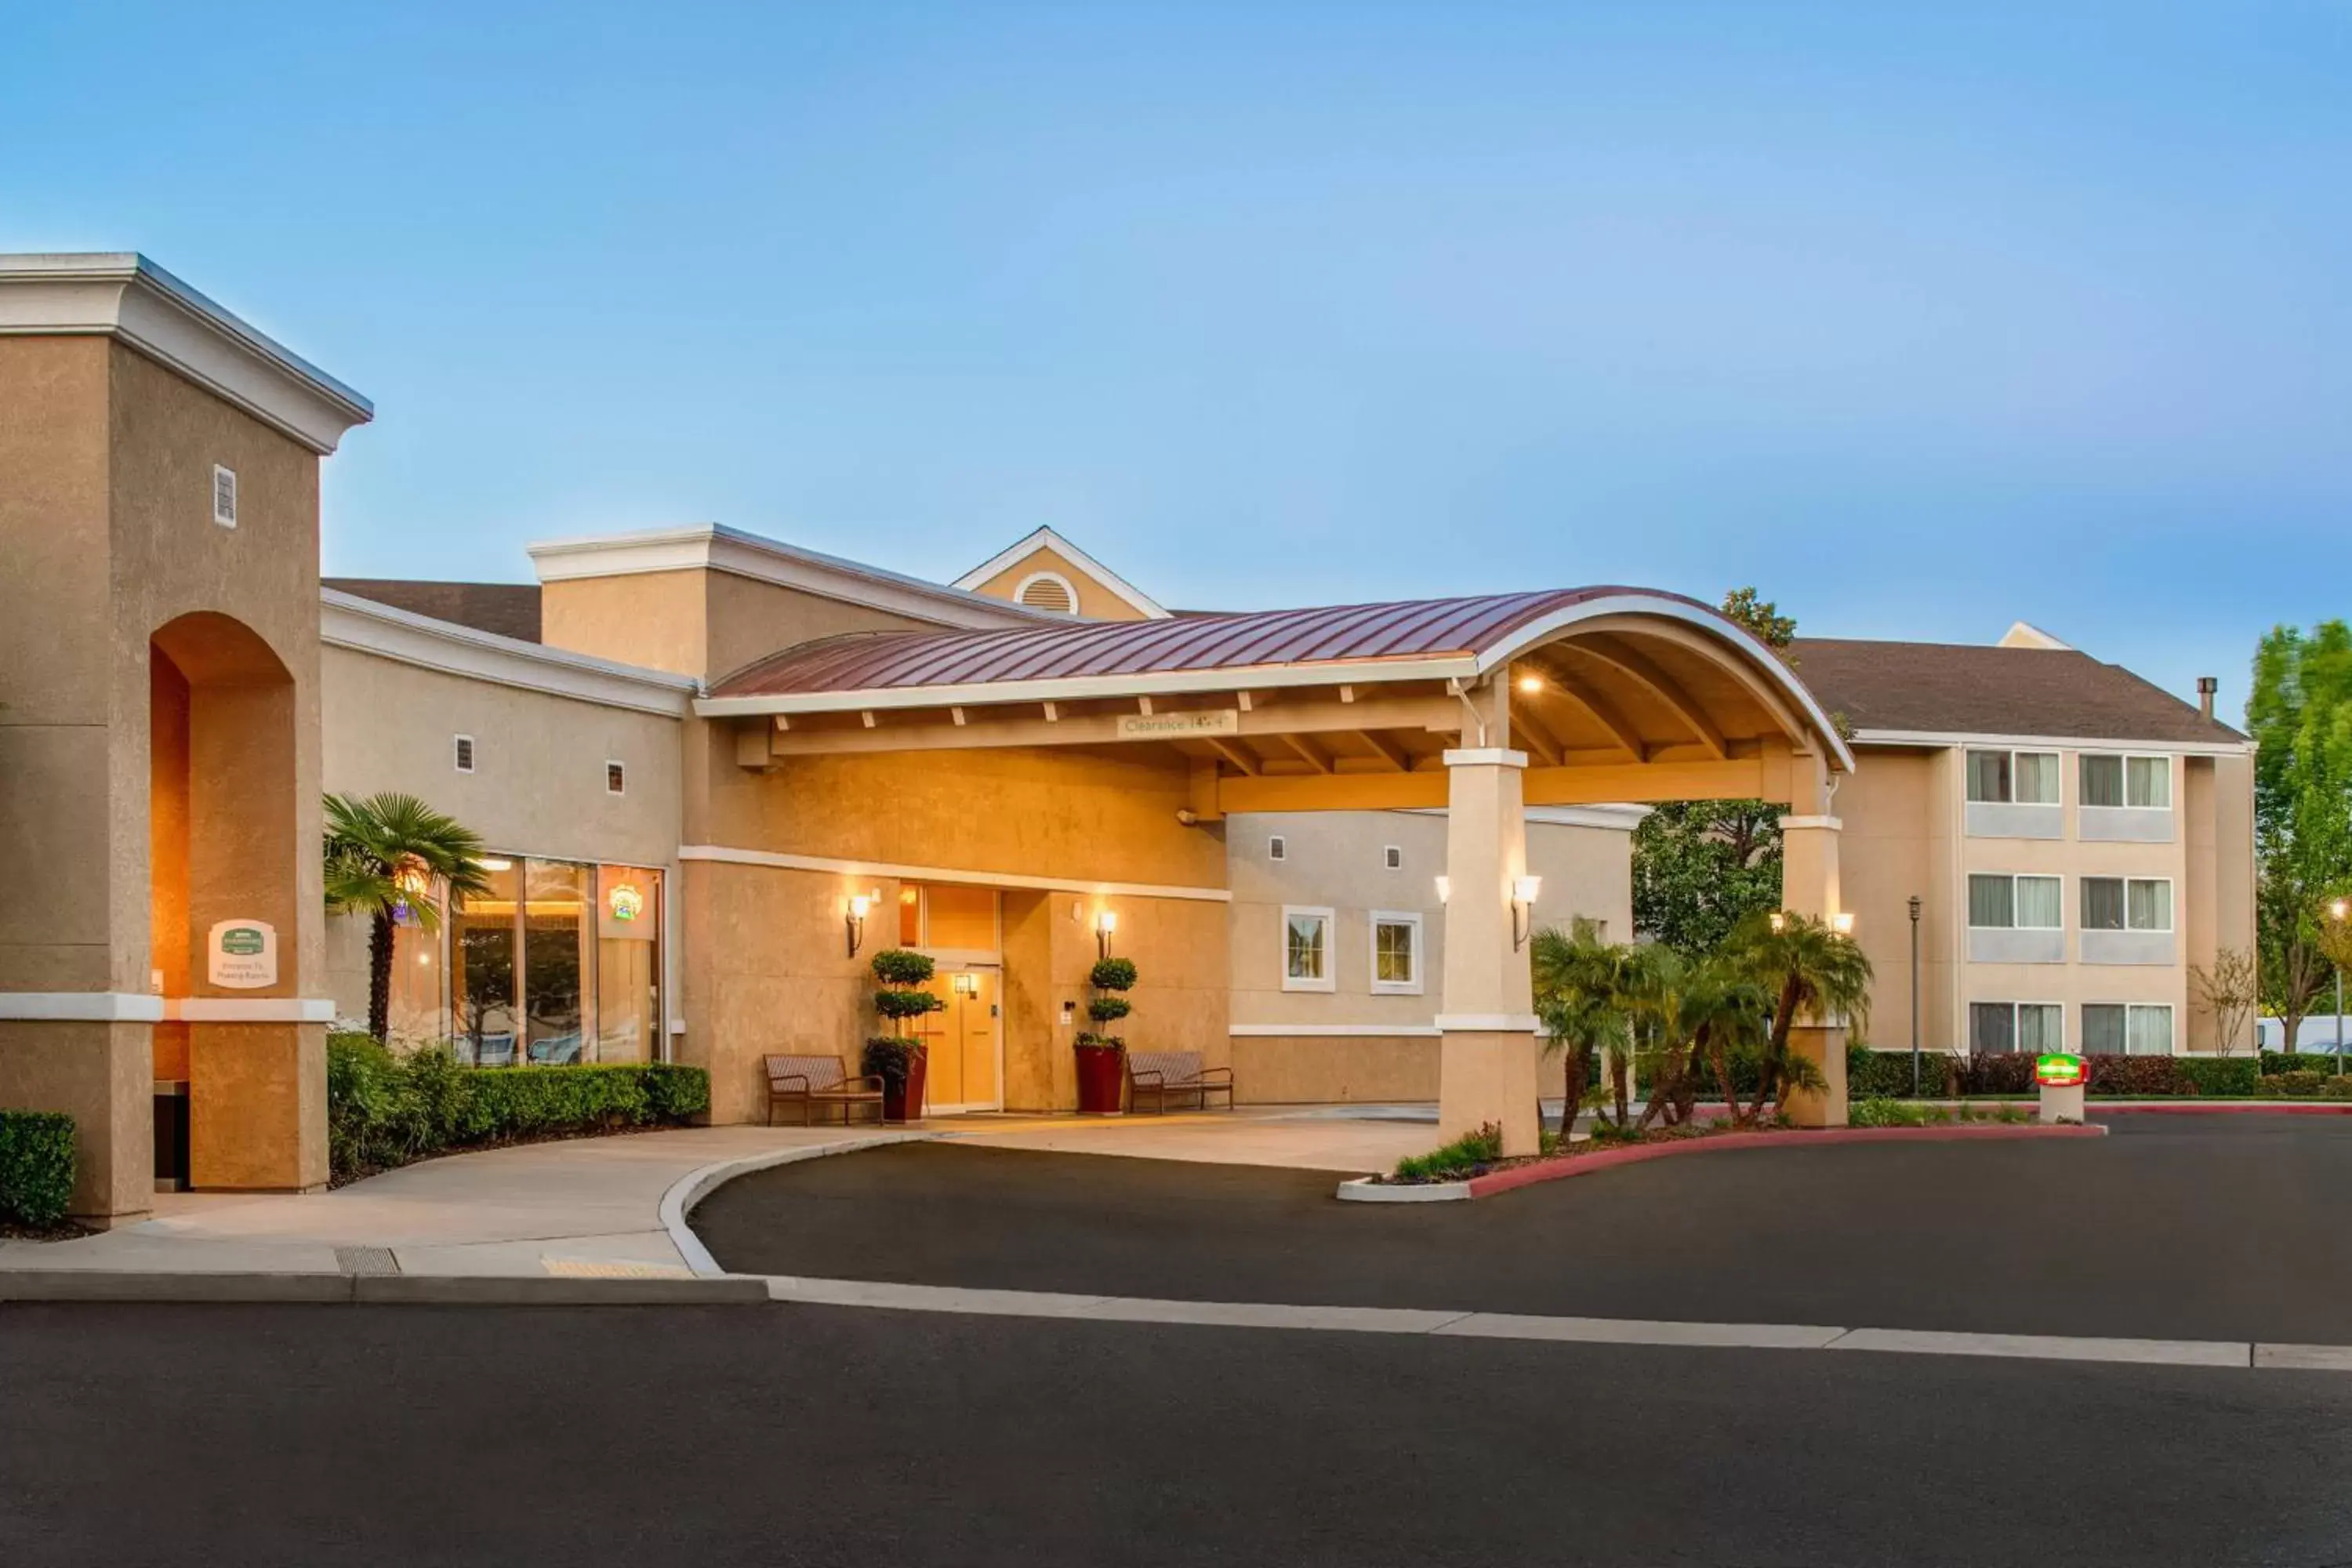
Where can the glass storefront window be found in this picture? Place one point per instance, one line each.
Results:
(416, 979)
(483, 969)
(556, 959)
(628, 971)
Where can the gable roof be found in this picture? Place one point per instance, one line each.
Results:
(1889, 688)
(1046, 538)
(508, 609)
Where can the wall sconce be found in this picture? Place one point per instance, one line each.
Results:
(854, 911)
(1843, 922)
(965, 984)
(1106, 923)
(1777, 919)
(1523, 907)
(1444, 888)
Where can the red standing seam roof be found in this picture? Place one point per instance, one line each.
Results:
(1420, 629)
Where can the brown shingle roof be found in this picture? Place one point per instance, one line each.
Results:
(1966, 690)
(509, 609)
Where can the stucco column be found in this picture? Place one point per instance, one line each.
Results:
(1486, 1066)
(1809, 886)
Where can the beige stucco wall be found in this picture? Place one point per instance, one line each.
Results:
(1903, 812)
(1096, 601)
(1337, 860)
(696, 622)
(538, 784)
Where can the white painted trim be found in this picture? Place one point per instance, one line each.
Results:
(363, 626)
(710, 546)
(1487, 1023)
(1046, 538)
(80, 1007)
(1987, 743)
(1332, 1031)
(126, 297)
(1373, 920)
(1069, 591)
(1483, 757)
(1781, 680)
(1616, 818)
(724, 855)
(1329, 980)
(250, 1009)
(1832, 824)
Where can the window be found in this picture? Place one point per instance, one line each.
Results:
(616, 779)
(557, 961)
(461, 752)
(2116, 1028)
(1277, 847)
(1393, 857)
(1997, 1028)
(2126, 904)
(1306, 950)
(2013, 778)
(2141, 782)
(223, 496)
(1396, 954)
(1999, 902)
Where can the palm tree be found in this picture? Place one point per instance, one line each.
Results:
(1807, 968)
(387, 857)
(1583, 995)
(1704, 1011)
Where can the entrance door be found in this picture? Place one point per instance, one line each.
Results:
(961, 1041)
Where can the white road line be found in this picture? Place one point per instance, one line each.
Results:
(2050, 1347)
(2306, 1358)
(1641, 1332)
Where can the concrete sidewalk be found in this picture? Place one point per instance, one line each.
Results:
(591, 1207)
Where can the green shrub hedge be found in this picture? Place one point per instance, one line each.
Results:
(36, 1166)
(2277, 1062)
(1942, 1076)
(384, 1109)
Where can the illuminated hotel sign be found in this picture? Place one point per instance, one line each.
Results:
(625, 902)
(242, 955)
(2055, 1070)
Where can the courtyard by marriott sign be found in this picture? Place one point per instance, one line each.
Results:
(2056, 1069)
(242, 955)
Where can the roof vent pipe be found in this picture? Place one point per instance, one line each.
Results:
(2206, 687)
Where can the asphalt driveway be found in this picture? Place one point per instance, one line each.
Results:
(2231, 1228)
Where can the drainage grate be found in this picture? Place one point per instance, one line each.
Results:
(366, 1260)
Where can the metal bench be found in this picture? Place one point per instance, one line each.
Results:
(810, 1082)
(1166, 1077)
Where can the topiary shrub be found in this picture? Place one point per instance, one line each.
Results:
(36, 1166)
(1112, 975)
(1109, 976)
(903, 975)
(888, 1057)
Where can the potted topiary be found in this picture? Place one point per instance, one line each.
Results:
(1102, 1058)
(897, 1058)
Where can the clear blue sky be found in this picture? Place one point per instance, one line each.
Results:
(1920, 322)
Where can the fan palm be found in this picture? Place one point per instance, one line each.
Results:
(390, 858)
(1808, 968)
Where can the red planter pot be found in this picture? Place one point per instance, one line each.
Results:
(1102, 1081)
(904, 1102)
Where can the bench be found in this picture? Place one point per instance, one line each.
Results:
(1161, 1076)
(810, 1082)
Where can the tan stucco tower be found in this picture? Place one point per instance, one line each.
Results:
(159, 726)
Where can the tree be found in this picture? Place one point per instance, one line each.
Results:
(2227, 989)
(1807, 969)
(1583, 995)
(391, 857)
(1700, 1011)
(1701, 866)
(2300, 716)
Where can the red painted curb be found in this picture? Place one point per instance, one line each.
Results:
(1579, 1164)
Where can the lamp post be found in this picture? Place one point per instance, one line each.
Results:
(1914, 995)
(2336, 910)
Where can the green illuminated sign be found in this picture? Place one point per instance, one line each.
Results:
(2056, 1069)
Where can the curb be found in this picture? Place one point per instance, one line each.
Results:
(390, 1290)
(1557, 1170)
(698, 1184)
(2193, 1107)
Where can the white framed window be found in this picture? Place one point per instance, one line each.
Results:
(2127, 1028)
(2127, 903)
(223, 496)
(616, 779)
(461, 752)
(1277, 847)
(1396, 953)
(2013, 778)
(1998, 1028)
(1305, 949)
(1393, 857)
(2001, 902)
(2132, 782)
